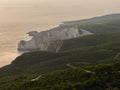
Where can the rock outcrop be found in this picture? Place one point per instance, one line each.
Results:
(51, 39)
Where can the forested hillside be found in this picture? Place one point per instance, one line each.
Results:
(99, 77)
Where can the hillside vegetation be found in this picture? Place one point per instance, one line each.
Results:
(108, 26)
(100, 77)
(103, 51)
(90, 40)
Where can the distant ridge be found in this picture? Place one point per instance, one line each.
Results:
(93, 20)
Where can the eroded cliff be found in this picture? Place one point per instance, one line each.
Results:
(51, 40)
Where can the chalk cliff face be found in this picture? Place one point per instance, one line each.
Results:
(51, 39)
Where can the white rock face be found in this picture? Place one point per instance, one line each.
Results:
(42, 40)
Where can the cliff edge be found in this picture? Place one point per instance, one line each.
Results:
(51, 40)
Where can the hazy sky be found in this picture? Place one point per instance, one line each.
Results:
(55, 9)
(88, 3)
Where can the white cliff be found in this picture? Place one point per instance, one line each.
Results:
(44, 40)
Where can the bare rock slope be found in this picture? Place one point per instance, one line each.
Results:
(51, 40)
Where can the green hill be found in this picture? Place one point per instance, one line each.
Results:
(100, 77)
(90, 40)
(111, 26)
(102, 24)
(103, 51)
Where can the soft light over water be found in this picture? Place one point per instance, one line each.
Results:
(17, 17)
